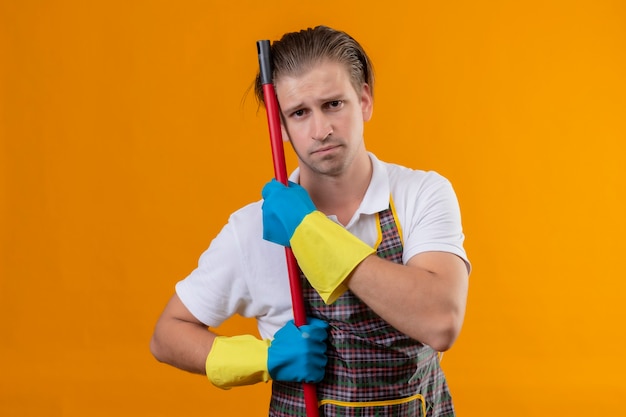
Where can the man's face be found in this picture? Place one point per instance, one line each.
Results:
(323, 117)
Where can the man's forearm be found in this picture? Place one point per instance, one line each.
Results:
(180, 340)
(424, 299)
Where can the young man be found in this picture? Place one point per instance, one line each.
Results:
(380, 246)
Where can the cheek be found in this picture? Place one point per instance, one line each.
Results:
(356, 126)
(298, 133)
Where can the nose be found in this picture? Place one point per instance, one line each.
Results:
(321, 128)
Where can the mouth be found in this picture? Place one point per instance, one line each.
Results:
(325, 149)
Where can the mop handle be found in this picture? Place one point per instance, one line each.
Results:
(280, 173)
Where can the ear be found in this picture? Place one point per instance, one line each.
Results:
(283, 132)
(367, 102)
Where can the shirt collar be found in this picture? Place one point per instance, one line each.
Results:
(377, 196)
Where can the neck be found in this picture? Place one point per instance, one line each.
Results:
(340, 195)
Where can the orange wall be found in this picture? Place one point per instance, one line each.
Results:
(126, 141)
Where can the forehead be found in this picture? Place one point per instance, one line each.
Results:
(326, 78)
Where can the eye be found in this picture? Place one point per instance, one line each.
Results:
(298, 113)
(334, 104)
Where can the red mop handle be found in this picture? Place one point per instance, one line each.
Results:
(280, 172)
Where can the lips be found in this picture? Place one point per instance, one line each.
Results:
(325, 149)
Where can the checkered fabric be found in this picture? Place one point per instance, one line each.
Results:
(368, 359)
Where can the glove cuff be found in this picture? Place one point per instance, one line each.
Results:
(327, 253)
(238, 360)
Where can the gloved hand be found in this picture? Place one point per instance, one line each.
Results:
(280, 220)
(326, 252)
(295, 355)
(298, 354)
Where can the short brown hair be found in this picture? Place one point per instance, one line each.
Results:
(298, 52)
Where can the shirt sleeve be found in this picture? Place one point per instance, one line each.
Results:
(240, 274)
(435, 222)
(216, 289)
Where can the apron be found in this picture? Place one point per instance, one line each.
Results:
(373, 369)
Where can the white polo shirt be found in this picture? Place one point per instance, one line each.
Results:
(240, 273)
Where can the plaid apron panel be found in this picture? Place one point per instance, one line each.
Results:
(368, 360)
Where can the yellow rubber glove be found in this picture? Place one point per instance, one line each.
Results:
(237, 360)
(327, 253)
(297, 354)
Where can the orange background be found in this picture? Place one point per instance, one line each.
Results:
(127, 138)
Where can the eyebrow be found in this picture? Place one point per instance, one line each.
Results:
(292, 109)
(300, 105)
